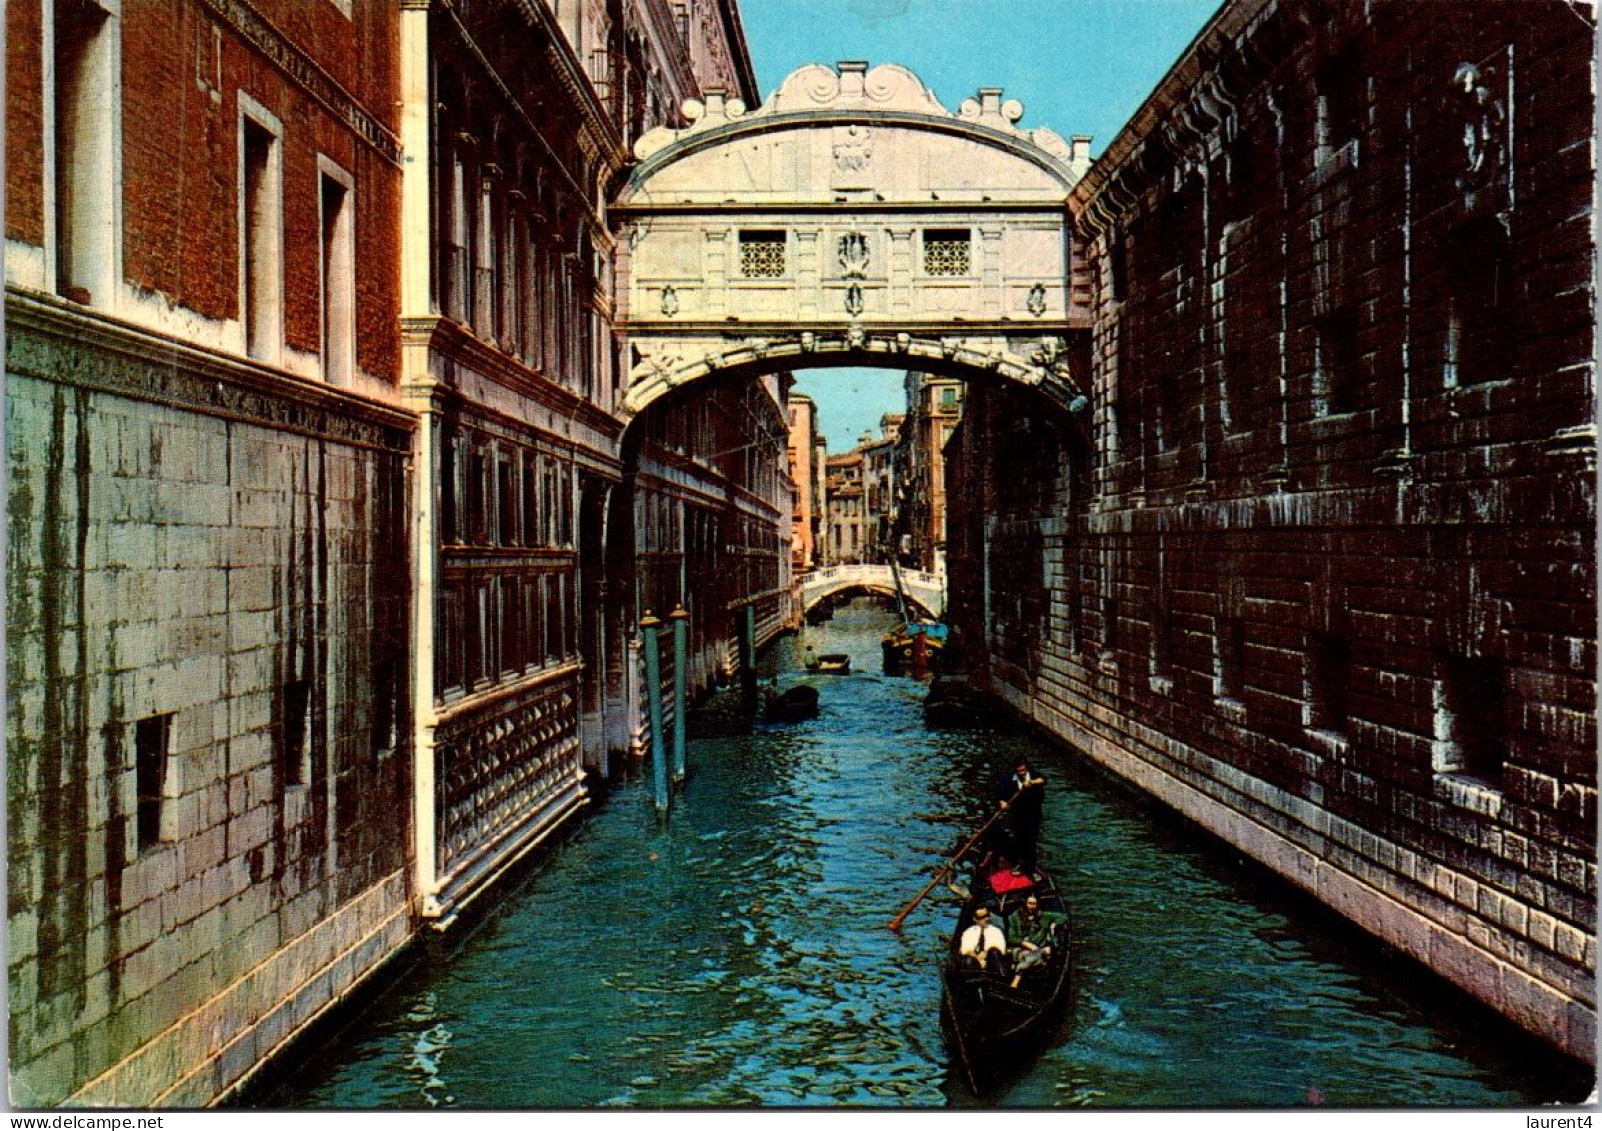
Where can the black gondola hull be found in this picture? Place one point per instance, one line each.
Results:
(993, 1029)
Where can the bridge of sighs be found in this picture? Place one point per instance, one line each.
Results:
(851, 219)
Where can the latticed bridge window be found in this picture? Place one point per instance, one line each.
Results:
(945, 251)
(762, 255)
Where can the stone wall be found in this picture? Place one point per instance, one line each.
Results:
(206, 638)
(1322, 574)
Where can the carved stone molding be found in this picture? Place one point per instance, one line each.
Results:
(89, 352)
(304, 72)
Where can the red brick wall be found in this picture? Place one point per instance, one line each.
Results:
(1416, 522)
(181, 155)
(24, 123)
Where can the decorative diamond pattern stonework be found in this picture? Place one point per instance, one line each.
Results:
(762, 256)
(945, 257)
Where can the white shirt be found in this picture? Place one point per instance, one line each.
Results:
(979, 938)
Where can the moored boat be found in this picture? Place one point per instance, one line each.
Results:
(793, 704)
(903, 646)
(954, 702)
(996, 1022)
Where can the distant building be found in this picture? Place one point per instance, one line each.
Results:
(847, 509)
(879, 480)
(807, 472)
(934, 409)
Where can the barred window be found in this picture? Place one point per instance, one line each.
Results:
(945, 251)
(762, 255)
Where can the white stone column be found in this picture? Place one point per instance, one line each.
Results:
(417, 301)
(416, 174)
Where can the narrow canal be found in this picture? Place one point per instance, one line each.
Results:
(738, 954)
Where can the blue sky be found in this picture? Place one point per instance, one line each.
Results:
(1078, 66)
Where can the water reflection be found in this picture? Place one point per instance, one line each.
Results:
(737, 954)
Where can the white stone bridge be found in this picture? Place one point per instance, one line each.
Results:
(925, 592)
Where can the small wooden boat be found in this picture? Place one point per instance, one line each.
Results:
(954, 702)
(993, 1027)
(831, 663)
(793, 705)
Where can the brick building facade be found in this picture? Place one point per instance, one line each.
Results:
(1321, 573)
(319, 512)
(209, 478)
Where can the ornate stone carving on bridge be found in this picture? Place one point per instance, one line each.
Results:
(892, 232)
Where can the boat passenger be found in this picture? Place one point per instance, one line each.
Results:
(1033, 934)
(983, 945)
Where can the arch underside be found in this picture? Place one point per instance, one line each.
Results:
(673, 363)
(867, 589)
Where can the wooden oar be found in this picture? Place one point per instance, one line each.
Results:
(948, 866)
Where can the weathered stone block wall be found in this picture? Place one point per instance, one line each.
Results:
(206, 752)
(1327, 582)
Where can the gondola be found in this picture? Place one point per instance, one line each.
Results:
(793, 705)
(953, 702)
(992, 1027)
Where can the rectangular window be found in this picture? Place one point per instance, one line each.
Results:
(477, 497)
(946, 251)
(762, 254)
(1118, 255)
(1342, 383)
(1329, 681)
(152, 741)
(1342, 87)
(339, 277)
(85, 104)
(1230, 656)
(1479, 334)
(1109, 628)
(531, 499)
(294, 732)
(261, 239)
(506, 499)
(1471, 728)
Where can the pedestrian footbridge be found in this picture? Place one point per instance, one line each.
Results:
(925, 592)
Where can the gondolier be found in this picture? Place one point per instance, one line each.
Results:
(1022, 796)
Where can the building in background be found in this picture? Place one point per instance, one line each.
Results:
(847, 502)
(807, 471)
(879, 482)
(934, 409)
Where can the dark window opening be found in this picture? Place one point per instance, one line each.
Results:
(1480, 308)
(507, 502)
(477, 497)
(1473, 729)
(294, 754)
(1231, 645)
(447, 487)
(1342, 94)
(152, 739)
(1109, 627)
(1118, 254)
(1342, 382)
(1329, 664)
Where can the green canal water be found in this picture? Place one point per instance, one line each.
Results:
(737, 954)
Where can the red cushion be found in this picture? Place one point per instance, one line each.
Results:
(1004, 881)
